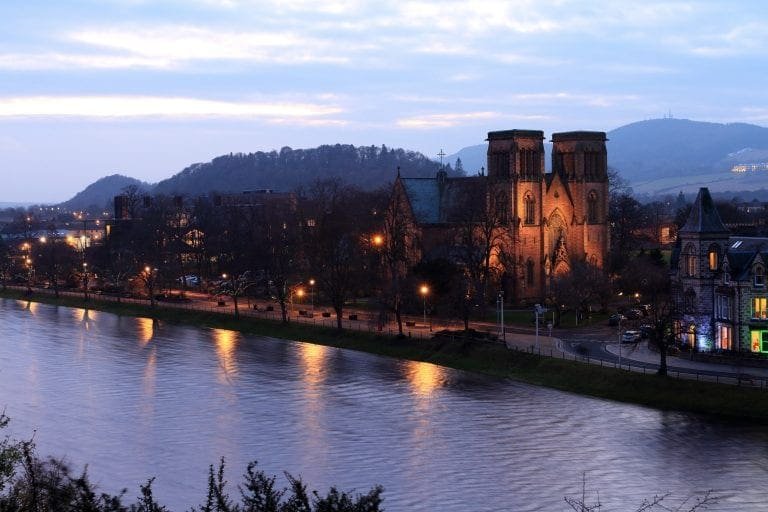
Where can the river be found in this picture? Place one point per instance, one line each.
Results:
(134, 398)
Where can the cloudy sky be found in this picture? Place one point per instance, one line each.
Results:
(145, 87)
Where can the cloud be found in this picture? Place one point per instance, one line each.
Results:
(444, 120)
(163, 107)
(182, 44)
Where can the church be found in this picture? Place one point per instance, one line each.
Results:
(537, 221)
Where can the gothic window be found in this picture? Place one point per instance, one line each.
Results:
(529, 271)
(501, 207)
(689, 261)
(713, 257)
(499, 165)
(593, 260)
(759, 275)
(592, 215)
(530, 209)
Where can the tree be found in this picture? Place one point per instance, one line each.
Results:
(479, 217)
(583, 285)
(333, 247)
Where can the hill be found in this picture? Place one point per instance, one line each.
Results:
(99, 194)
(667, 155)
(367, 167)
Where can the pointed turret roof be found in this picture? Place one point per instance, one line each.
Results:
(704, 217)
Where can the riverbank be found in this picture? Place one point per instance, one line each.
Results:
(487, 358)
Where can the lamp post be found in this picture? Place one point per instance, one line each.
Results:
(312, 293)
(619, 342)
(424, 290)
(500, 305)
(85, 281)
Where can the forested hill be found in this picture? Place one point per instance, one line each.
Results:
(367, 167)
(98, 195)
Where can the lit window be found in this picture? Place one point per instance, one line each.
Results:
(759, 306)
(713, 256)
(724, 337)
(689, 261)
(759, 341)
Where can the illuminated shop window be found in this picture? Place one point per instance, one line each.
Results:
(759, 341)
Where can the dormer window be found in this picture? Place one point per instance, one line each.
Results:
(759, 276)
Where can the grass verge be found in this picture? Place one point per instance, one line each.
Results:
(491, 359)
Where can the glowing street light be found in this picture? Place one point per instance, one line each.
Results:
(424, 291)
(312, 293)
(377, 240)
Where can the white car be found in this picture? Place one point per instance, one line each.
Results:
(190, 280)
(631, 336)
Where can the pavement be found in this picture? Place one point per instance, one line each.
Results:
(641, 353)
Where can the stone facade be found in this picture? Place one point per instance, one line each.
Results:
(547, 217)
(719, 284)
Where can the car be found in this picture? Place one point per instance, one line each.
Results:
(630, 337)
(646, 330)
(616, 319)
(190, 280)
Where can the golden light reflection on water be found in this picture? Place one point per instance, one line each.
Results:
(226, 346)
(146, 330)
(32, 307)
(424, 378)
(313, 363)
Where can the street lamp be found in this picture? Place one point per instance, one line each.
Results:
(424, 290)
(85, 280)
(312, 293)
(377, 240)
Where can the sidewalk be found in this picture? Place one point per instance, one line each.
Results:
(641, 353)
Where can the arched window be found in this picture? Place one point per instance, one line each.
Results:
(713, 257)
(592, 213)
(529, 271)
(530, 209)
(759, 274)
(593, 260)
(501, 207)
(689, 261)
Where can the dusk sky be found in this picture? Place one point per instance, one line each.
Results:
(144, 88)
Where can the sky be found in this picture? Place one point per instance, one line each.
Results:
(144, 88)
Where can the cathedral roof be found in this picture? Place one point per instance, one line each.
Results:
(704, 217)
(436, 200)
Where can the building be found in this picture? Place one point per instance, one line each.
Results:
(719, 284)
(542, 219)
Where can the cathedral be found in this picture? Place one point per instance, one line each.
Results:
(540, 220)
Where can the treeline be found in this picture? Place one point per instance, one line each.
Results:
(30, 483)
(365, 167)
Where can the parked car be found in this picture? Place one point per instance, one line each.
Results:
(614, 319)
(630, 337)
(646, 330)
(190, 280)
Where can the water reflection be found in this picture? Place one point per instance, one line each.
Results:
(146, 330)
(424, 378)
(135, 401)
(313, 362)
(226, 346)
